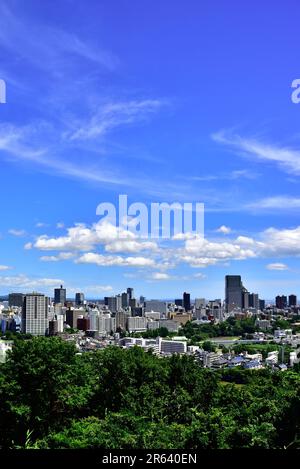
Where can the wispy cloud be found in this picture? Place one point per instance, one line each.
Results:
(275, 204)
(277, 266)
(113, 115)
(18, 233)
(28, 283)
(287, 159)
(231, 176)
(47, 47)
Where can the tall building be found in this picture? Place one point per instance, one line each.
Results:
(254, 300)
(200, 303)
(79, 299)
(60, 295)
(35, 315)
(132, 303)
(281, 301)
(72, 316)
(121, 319)
(179, 302)
(292, 300)
(142, 300)
(125, 300)
(187, 301)
(16, 299)
(130, 293)
(262, 304)
(233, 292)
(136, 324)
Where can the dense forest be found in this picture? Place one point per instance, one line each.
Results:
(53, 397)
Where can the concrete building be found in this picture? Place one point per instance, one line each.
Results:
(156, 306)
(72, 316)
(168, 347)
(136, 324)
(200, 303)
(35, 314)
(121, 319)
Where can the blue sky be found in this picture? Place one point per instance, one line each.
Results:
(164, 101)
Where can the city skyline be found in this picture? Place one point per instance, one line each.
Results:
(94, 109)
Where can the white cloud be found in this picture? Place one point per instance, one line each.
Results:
(199, 275)
(17, 233)
(62, 256)
(224, 229)
(287, 159)
(276, 203)
(60, 225)
(27, 283)
(113, 115)
(160, 276)
(41, 224)
(277, 266)
(83, 238)
(99, 259)
(130, 246)
(5, 267)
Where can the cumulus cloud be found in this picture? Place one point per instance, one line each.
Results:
(224, 229)
(83, 238)
(62, 256)
(101, 260)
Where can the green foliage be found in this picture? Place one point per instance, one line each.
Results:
(51, 397)
(230, 328)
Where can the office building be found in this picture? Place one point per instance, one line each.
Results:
(157, 306)
(254, 300)
(35, 317)
(245, 298)
(60, 295)
(200, 303)
(179, 302)
(79, 299)
(121, 319)
(132, 303)
(142, 300)
(130, 293)
(234, 290)
(16, 299)
(106, 324)
(187, 301)
(292, 300)
(125, 300)
(281, 301)
(72, 316)
(136, 324)
(262, 305)
(168, 347)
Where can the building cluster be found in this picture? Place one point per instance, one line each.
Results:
(114, 319)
